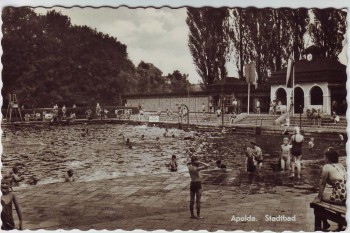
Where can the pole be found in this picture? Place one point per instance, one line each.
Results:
(188, 95)
(300, 111)
(248, 97)
(222, 111)
(293, 85)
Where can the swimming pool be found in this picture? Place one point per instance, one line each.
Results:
(46, 153)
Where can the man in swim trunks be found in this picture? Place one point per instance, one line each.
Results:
(195, 186)
(258, 156)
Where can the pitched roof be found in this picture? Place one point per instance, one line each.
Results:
(317, 70)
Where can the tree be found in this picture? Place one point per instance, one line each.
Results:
(150, 78)
(267, 37)
(328, 30)
(289, 28)
(177, 82)
(240, 39)
(300, 20)
(209, 42)
(47, 60)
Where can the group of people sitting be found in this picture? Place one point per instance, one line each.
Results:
(335, 118)
(316, 116)
(276, 107)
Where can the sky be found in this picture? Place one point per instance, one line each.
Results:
(157, 36)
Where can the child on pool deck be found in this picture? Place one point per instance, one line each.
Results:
(7, 198)
(285, 155)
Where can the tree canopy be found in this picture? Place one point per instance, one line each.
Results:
(47, 60)
(268, 37)
(328, 30)
(209, 42)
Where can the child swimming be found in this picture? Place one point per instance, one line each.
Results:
(311, 144)
(69, 176)
(15, 177)
(173, 164)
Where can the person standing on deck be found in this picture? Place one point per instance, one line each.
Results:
(196, 186)
(234, 105)
(258, 107)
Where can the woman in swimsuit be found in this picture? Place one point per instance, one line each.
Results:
(333, 174)
(297, 142)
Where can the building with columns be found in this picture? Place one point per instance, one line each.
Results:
(320, 83)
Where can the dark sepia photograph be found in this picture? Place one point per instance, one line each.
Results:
(188, 118)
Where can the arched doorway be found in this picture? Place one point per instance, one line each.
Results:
(298, 100)
(281, 95)
(316, 95)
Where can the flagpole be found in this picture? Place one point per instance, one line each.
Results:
(293, 84)
(248, 97)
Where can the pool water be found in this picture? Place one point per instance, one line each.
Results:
(45, 153)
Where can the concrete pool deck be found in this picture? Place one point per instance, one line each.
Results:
(158, 202)
(213, 125)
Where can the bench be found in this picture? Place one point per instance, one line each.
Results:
(334, 213)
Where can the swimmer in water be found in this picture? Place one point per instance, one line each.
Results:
(311, 144)
(128, 143)
(69, 177)
(15, 177)
(173, 164)
(157, 142)
(165, 133)
(220, 165)
(86, 129)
